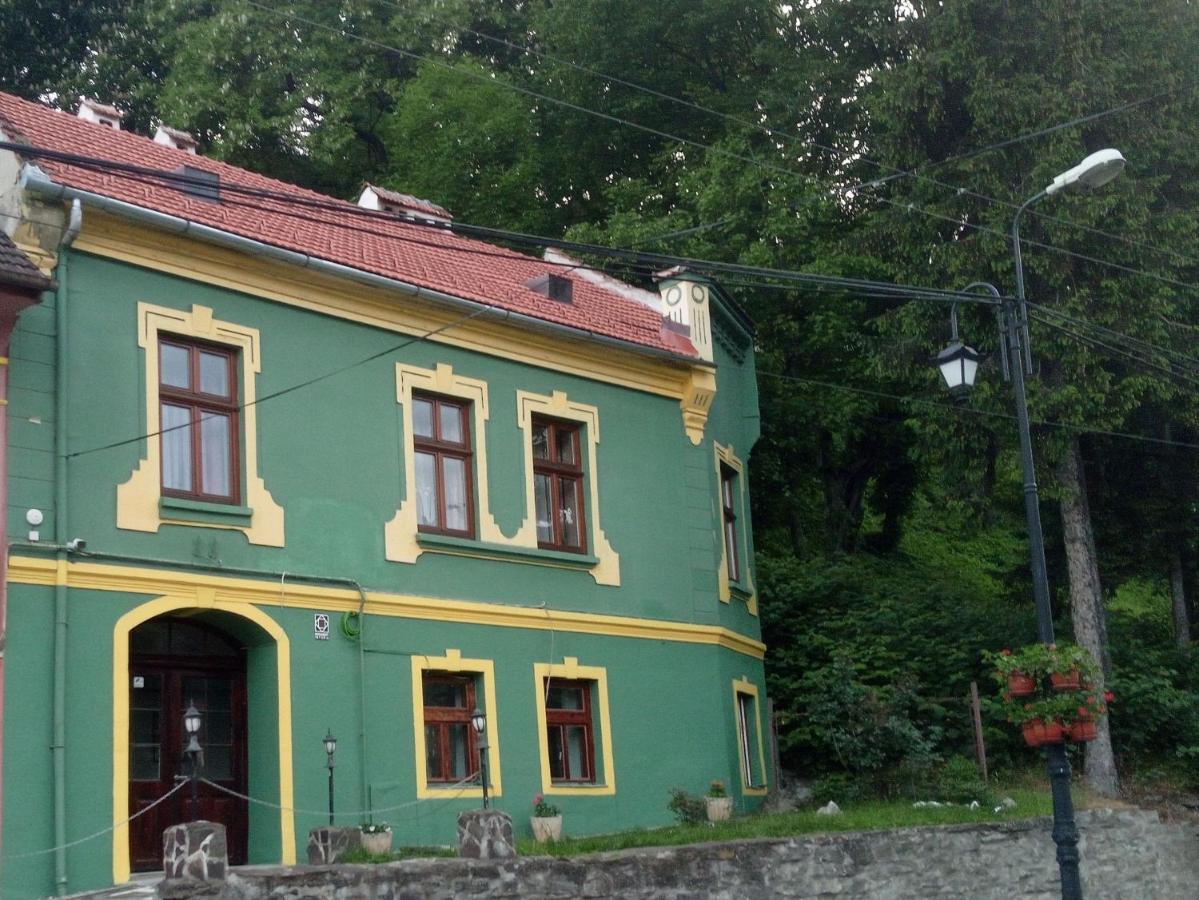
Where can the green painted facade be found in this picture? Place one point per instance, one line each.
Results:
(330, 455)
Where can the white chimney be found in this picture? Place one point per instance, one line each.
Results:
(172, 137)
(383, 200)
(91, 111)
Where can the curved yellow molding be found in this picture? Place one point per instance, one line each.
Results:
(570, 669)
(558, 406)
(199, 598)
(453, 662)
(726, 456)
(138, 498)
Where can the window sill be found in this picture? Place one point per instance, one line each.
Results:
(740, 591)
(576, 789)
(442, 543)
(179, 509)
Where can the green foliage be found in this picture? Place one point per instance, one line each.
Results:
(959, 781)
(687, 808)
(841, 788)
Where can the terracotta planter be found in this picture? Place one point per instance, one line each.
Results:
(1083, 730)
(377, 842)
(1034, 732)
(546, 828)
(1055, 732)
(1068, 681)
(1021, 685)
(719, 808)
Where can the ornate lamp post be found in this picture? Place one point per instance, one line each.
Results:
(1094, 171)
(478, 720)
(191, 726)
(330, 748)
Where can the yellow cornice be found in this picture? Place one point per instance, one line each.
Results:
(116, 238)
(228, 589)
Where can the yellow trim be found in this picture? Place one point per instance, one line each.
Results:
(399, 535)
(207, 599)
(744, 686)
(246, 591)
(607, 570)
(119, 239)
(138, 498)
(726, 456)
(570, 669)
(453, 662)
(3, 360)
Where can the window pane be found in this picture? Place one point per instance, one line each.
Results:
(576, 753)
(744, 716)
(219, 727)
(144, 763)
(557, 760)
(445, 694)
(173, 362)
(433, 752)
(218, 762)
(422, 417)
(541, 440)
(565, 698)
(176, 448)
(568, 511)
(543, 495)
(459, 750)
(453, 476)
(451, 423)
(565, 445)
(144, 726)
(214, 374)
(426, 490)
(215, 454)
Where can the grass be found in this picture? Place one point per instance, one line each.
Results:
(854, 817)
(363, 856)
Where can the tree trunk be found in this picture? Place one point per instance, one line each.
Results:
(1086, 603)
(1178, 597)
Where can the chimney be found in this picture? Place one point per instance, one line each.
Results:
(556, 287)
(172, 137)
(686, 306)
(91, 111)
(383, 200)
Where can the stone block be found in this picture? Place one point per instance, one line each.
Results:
(196, 852)
(485, 834)
(329, 844)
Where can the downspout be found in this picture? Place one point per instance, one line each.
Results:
(366, 798)
(58, 744)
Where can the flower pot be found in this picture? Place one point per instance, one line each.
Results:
(1055, 732)
(1021, 685)
(1066, 681)
(1034, 732)
(719, 808)
(376, 842)
(546, 828)
(1083, 730)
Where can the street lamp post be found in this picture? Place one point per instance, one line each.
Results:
(1094, 171)
(330, 748)
(478, 720)
(191, 726)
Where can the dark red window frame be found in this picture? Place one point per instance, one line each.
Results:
(197, 403)
(440, 718)
(558, 721)
(728, 515)
(563, 475)
(440, 449)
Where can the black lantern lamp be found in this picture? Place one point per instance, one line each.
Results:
(957, 362)
(330, 749)
(478, 721)
(191, 726)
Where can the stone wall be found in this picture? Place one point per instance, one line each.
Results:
(1126, 854)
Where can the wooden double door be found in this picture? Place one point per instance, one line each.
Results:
(175, 663)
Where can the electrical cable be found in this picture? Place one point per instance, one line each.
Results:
(1119, 336)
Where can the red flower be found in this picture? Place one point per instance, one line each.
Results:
(1109, 696)
(1082, 710)
(537, 800)
(1006, 651)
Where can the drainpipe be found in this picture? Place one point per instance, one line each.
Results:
(58, 744)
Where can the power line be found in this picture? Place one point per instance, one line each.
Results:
(911, 207)
(1120, 336)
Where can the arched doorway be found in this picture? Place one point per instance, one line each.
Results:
(175, 661)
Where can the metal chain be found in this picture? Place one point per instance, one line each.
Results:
(325, 812)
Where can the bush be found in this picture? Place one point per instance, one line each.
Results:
(959, 781)
(687, 808)
(841, 788)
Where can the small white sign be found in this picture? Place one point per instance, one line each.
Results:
(139, 681)
(320, 626)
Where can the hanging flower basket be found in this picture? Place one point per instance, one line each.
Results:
(1066, 681)
(1034, 732)
(1083, 730)
(1020, 684)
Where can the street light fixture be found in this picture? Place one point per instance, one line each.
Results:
(478, 721)
(1094, 171)
(957, 362)
(330, 749)
(191, 726)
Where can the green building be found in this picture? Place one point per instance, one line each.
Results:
(317, 467)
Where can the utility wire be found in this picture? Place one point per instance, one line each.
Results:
(1098, 344)
(1119, 336)
(287, 14)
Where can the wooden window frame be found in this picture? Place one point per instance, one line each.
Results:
(197, 403)
(443, 716)
(561, 719)
(728, 520)
(559, 472)
(440, 449)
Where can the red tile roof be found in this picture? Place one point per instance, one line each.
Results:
(429, 257)
(17, 270)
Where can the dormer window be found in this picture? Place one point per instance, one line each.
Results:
(406, 205)
(99, 113)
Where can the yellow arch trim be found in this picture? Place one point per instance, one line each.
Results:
(120, 716)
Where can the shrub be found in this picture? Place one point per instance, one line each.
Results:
(840, 787)
(687, 808)
(959, 781)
